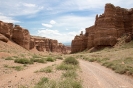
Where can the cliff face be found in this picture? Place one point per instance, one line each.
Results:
(47, 45)
(111, 25)
(23, 38)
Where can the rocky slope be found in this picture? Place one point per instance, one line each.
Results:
(114, 23)
(22, 37)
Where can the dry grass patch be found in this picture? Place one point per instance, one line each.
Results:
(17, 68)
(121, 66)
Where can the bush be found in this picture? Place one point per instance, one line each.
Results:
(38, 60)
(50, 59)
(36, 56)
(64, 66)
(70, 83)
(118, 67)
(42, 81)
(9, 58)
(71, 60)
(70, 73)
(66, 83)
(23, 61)
(18, 68)
(46, 83)
(61, 58)
(47, 69)
(92, 59)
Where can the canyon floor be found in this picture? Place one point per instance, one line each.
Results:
(91, 73)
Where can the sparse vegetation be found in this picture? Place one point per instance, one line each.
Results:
(70, 83)
(38, 60)
(47, 69)
(59, 57)
(66, 83)
(8, 58)
(36, 56)
(23, 61)
(42, 81)
(100, 60)
(121, 66)
(70, 74)
(71, 60)
(64, 66)
(50, 59)
(70, 63)
(18, 68)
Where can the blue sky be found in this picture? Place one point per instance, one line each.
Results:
(55, 19)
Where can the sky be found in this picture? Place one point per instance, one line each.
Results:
(55, 19)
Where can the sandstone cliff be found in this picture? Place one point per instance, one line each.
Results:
(114, 23)
(47, 45)
(23, 38)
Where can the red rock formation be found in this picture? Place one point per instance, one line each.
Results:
(48, 45)
(21, 36)
(3, 38)
(112, 24)
(6, 29)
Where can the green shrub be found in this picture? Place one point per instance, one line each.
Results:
(18, 68)
(36, 56)
(61, 58)
(8, 58)
(118, 67)
(69, 73)
(102, 60)
(38, 60)
(47, 69)
(86, 58)
(42, 81)
(128, 60)
(70, 83)
(92, 59)
(66, 83)
(108, 64)
(45, 83)
(50, 59)
(71, 60)
(64, 66)
(23, 61)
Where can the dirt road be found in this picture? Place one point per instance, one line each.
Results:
(97, 76)
(26, 77)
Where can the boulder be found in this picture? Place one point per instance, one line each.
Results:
(6, 29)
(3, 38)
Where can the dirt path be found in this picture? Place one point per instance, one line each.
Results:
(26, 77)
(97, 76)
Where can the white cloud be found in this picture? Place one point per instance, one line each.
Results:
(29, 5)
(47, 25)
(52, 22)
(19, 8)
(55, 34)
(8, 19)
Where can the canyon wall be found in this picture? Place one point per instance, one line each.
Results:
(22, 37)
(114, 23)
